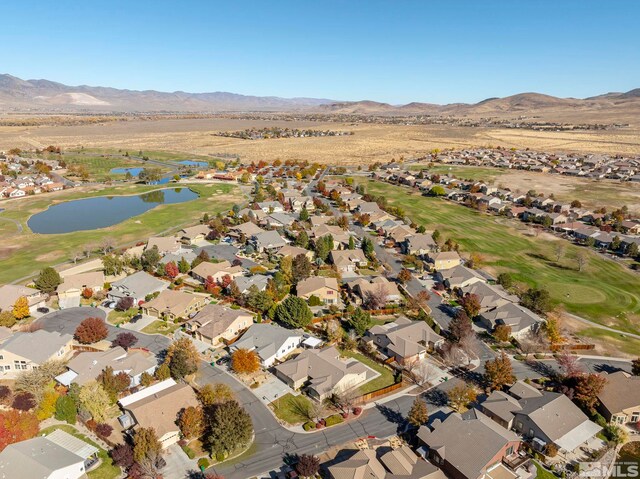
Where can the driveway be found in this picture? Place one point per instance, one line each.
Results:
(178, 463)
(140, 324)
(66, 303)
(272, 389)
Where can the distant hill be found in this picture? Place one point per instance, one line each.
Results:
(43, 95)
(49, 96)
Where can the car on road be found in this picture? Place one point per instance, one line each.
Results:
(42, 310)
(223, 360)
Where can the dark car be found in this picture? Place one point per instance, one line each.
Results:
(135, 318)
(43, 310)
(223, 360)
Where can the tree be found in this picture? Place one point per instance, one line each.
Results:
(103, 430)
(23, 401)
(587, 387)
(461, 395)
(122, 456)
(360, 321)
(66, 409)
(191, 422)
(21, 308)
(502, 332)
(171, 269)
(581, 260)
(7, 319)
(259, 300)
(163, 372)
(505, 280)
(183, 266)
(304, 214)
(470, 302)
(559, 251)
(569, 365)
(229, 428)
(244, 361)
(294, 312)
(213, 394)
(146, 444)
(376, 298)
(352, 243)
(419, 414)
(113, 384)
(343, 222)
(552, 331)
(87, 293)
(308, 465)
(404, 276)
(35, 381)
(125, 303)
(91, 330)
(460, 327)
(146, 379)
(635, 367)
(17, 426)
(499, 372)
(47, 406)
(150, 258)
(437, 190)
(537, 300)
(323, 247)
(302, 239)
(367, 247)
(95, 400)
(125, 340)
(301, 268)
(182, 358)
(48, 280)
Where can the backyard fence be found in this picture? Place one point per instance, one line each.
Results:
(379, 392)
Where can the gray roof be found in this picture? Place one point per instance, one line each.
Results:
(187, 255)
(137, 285)
(35, 458)
(269, 239)
(266, 339)
(621, 392)
(38, 346)
(245, 282)
(513, 315)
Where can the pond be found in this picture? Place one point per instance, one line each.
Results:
(123, 171)
(103, 211)
(199, 164)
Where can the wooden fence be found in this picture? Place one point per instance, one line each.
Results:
(379, 392)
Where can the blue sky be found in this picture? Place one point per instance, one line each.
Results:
(395, 51)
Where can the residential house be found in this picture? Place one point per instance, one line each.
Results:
(470, 446)
(348, 260)
(171, 305)
(543, 417)
(321, 372)
(401, 463)
(194, 234)
(216, 323)
(271, 342)
(165, 244)
(271, 207)
(419, 244)
(340, 236)
(491, 296)
(56, 456)
(620, 398)
(325, 289)
(9, 294)
(458, 277)
(73, 285)
(26, 351)
(293, 251)
(245, 283)
(87, 366)
(361, 289)
(216, 271)
(268, 241)
(404, 339)
(247, 230)
(279, 220)
(519, 319)
(137, 286)
(444, 260)
(400, 234)
(158, 406)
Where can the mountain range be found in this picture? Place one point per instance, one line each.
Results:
(49, 96)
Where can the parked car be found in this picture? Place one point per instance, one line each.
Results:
(223, 360)
(135, 318)
(43, 310)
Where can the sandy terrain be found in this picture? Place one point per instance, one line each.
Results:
(371, 142)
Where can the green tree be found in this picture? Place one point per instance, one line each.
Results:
(367, 247)
(66, 409)
(537, 300)
(437, 190)
(182, 358)
(419, 414)
(48, 280)
(230, 428)
(214, 394)
(146, 445)
(505, 280)
(304, 214)
(259, 300)
(302, 240)
(360, 321)
(352, 243)
(301, 268)
(294, 312)
(150, 258)
(183, 265)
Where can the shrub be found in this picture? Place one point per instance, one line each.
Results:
(551, 450)
(333, 420)
(189, 452)
(314, 300)
(203, 463)
(539, 356)
(23, 401)
(308, 426)
(103, 430)
(357, 411)
(220, 456)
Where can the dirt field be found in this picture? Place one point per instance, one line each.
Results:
(370, 143)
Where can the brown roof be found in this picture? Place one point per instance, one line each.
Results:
(621, 392)
(314, 283)
(214, 319)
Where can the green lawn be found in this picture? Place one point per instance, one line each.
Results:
(542, 473)
(291, 409)
(386, 375)
(621, 343)
(604, 292)
(115, 317)
(478, 173)
(26, 253)
(106, 470)
(160, 327)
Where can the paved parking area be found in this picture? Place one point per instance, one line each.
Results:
(178, 463)
(272, 389)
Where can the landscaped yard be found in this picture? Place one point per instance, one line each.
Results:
(160, 327)
(25, 253)
(292, 409)
(604, 292)
(106, 470)
(115, 317)
(477, 173)
(542, 473)
(385, 379)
